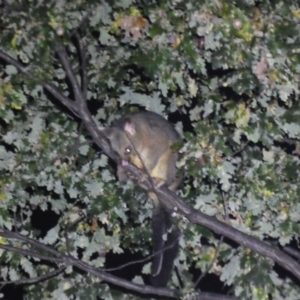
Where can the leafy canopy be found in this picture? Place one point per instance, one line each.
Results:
(227, 74)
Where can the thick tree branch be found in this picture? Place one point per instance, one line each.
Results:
(197, 217)
(292, 252)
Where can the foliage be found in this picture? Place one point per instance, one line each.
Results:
(227, 74)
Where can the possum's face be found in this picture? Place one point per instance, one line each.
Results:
(120, 142)
(124, 141)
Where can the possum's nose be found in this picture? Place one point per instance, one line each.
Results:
(124, 163)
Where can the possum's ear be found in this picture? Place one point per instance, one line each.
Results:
(129, 128)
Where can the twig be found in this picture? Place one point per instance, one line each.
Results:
(79, 96)
(36, 279)
(70, 149)
(30, 253)
(87, 15)
(71, 261)
(148, 257)
(82, 55)
(66, 232)
(49, 87)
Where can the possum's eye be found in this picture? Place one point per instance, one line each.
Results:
(128, 150)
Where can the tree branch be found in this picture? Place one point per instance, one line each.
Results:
(82, 55)
(82, 108)
(79, 109)
(36, 279)
(29, 253)
(68, 260)
(62, 54)
(197, 217)
(49, 87)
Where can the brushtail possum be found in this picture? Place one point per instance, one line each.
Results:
(145, 139)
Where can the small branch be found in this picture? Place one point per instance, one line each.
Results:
(219, 242)
(148, 257)
(30, 253)
(81, 110)
(82, 55)
(15, 235)
(240, 150)
(212, 262)
(49, 87)
(76, 221)
(78, 144)
(62, 54)
(292, 252)
(36, 279)
(66, 232)
(71, 261)
(87, 15)
(70, 149)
